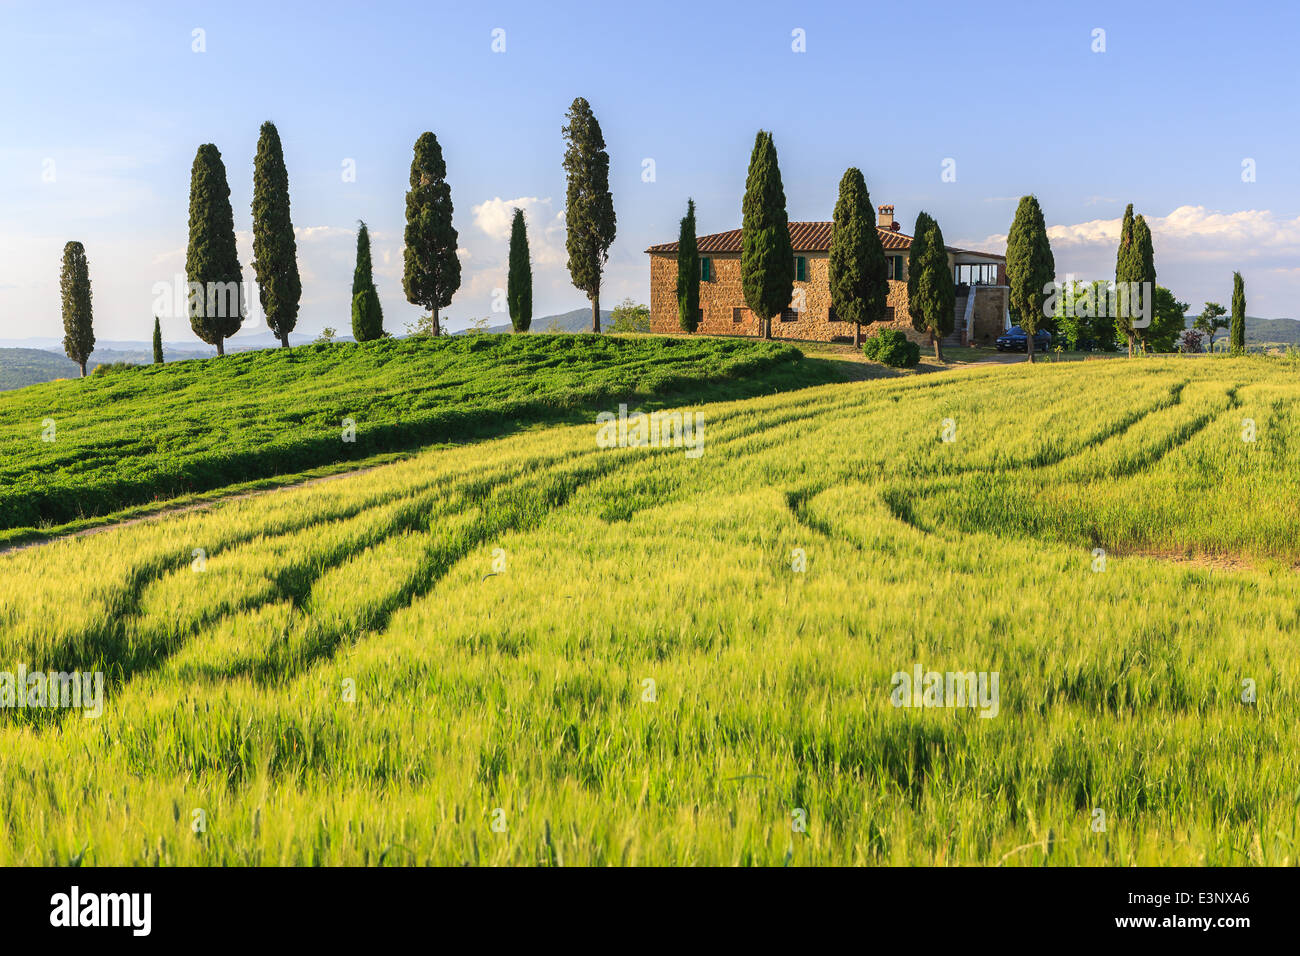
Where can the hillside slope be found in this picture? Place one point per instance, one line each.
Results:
(631, 655)
(88, 447)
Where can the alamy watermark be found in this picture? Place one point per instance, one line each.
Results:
(923, 688)
(654, 430)
(1112, 300)
(53, 689)
(214, 300)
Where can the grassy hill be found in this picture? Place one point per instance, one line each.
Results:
(157, 432)
(613, 652)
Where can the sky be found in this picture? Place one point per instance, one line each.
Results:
(1187, 110)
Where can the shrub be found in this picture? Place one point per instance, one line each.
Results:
(103, 368)
(891, 347)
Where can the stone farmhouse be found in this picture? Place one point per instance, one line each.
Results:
(982, 293)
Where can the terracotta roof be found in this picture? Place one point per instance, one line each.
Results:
(804, 236)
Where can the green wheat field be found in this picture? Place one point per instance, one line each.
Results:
(532, 650)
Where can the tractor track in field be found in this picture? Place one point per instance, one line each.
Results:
(171, 511)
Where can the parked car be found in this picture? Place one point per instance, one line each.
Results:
(1015, 339)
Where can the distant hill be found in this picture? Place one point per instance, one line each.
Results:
(30, 366)
(1272, 331)
(579, 320)
(19, 367)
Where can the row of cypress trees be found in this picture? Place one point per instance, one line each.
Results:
(431, 266)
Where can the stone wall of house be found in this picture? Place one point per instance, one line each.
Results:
(990, 314)
(722, 303)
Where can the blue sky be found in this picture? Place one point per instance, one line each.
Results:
(102, 106)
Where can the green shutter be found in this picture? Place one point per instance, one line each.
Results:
(800, 269)
(706, 270)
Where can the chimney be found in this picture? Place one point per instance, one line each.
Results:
(886, 219)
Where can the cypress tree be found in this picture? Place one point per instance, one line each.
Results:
(588, 205)
(857, 267)
(766, 256)
(1128, 269)
(368, 318)
(216, 295)
(1146, 271)
(688, 272)
(432, 268)
(933, 306)
(519, 281)
(1030, 267)
(916, 261)
(366, 322)
(275, 250)
(157, 342)
(1237, 333)
(74, 285)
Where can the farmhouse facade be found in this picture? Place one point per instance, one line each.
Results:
(982, 293)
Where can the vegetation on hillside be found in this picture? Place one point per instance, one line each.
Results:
(628, 656)
(165, 430)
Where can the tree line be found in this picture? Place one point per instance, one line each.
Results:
(431, 266)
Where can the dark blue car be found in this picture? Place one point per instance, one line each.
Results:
(1014, 339)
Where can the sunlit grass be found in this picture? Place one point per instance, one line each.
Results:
(526, 689)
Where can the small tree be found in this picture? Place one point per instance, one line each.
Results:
(933, 306)
(216, 294)
(367, 314)
(432, 268)
(74, 285)
(519, 282)
(766, 256)
(630, 316)
(1168, 322)
(157, 342)
(1237, 334)
(275, 250)
(588, 205)
(1210, 321)
(857, 267)
(688, 272)
(1030, 267)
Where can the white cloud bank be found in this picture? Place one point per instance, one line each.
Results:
(1197, 250)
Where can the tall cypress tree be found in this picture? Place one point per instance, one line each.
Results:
(766, 256)
(857, 266)
(1237, 332)
(367, 316)
(688, 272)
(216, 295)
(519, 281)
(432, 268)
(1128, 269)
(157, 342)
(916, 261)
(588, 205)
(275, 250)
(1030, 267)
(933, 306)
(1146, 271)
(74, 285)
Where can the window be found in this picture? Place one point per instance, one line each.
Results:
(789, 315)
(800, 269)
(738, 315)
(706, 270)
(898, 266)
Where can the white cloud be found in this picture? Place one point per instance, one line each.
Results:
(1197, 250)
